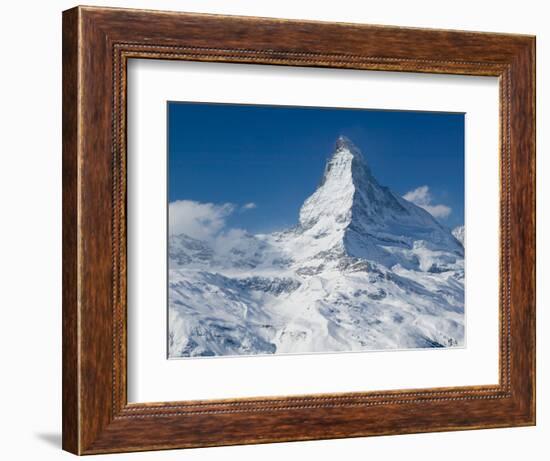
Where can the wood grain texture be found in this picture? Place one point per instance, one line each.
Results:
(97, 43)
(70, 383)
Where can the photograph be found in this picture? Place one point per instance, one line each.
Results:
(301, 230)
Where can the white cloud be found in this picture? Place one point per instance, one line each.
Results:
(438, 211)
(228, 239)
(249, 206)
(422, 197)
(198, 220)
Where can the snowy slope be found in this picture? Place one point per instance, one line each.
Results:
(363, 269)
(458, 233)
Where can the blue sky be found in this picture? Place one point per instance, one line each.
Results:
(273, 157)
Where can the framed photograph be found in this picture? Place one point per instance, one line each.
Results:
(282, 230)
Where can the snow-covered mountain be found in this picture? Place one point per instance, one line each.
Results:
(363, 269)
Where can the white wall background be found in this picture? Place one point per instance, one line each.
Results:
(30, 230)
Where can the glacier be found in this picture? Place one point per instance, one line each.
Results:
(363, 269)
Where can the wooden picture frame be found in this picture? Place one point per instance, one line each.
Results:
(97, 43)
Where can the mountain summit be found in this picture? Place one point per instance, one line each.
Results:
(364, 269)
(332, 201)
(368, 218)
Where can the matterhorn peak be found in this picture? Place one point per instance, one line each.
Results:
(352, 206)
(346, 164)
(345, 146)
(333, 199)
(343, 142)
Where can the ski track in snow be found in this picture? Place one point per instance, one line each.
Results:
(363, 270)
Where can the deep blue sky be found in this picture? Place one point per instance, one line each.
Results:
(274, 156)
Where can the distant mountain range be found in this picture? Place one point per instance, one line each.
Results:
(363, 269)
